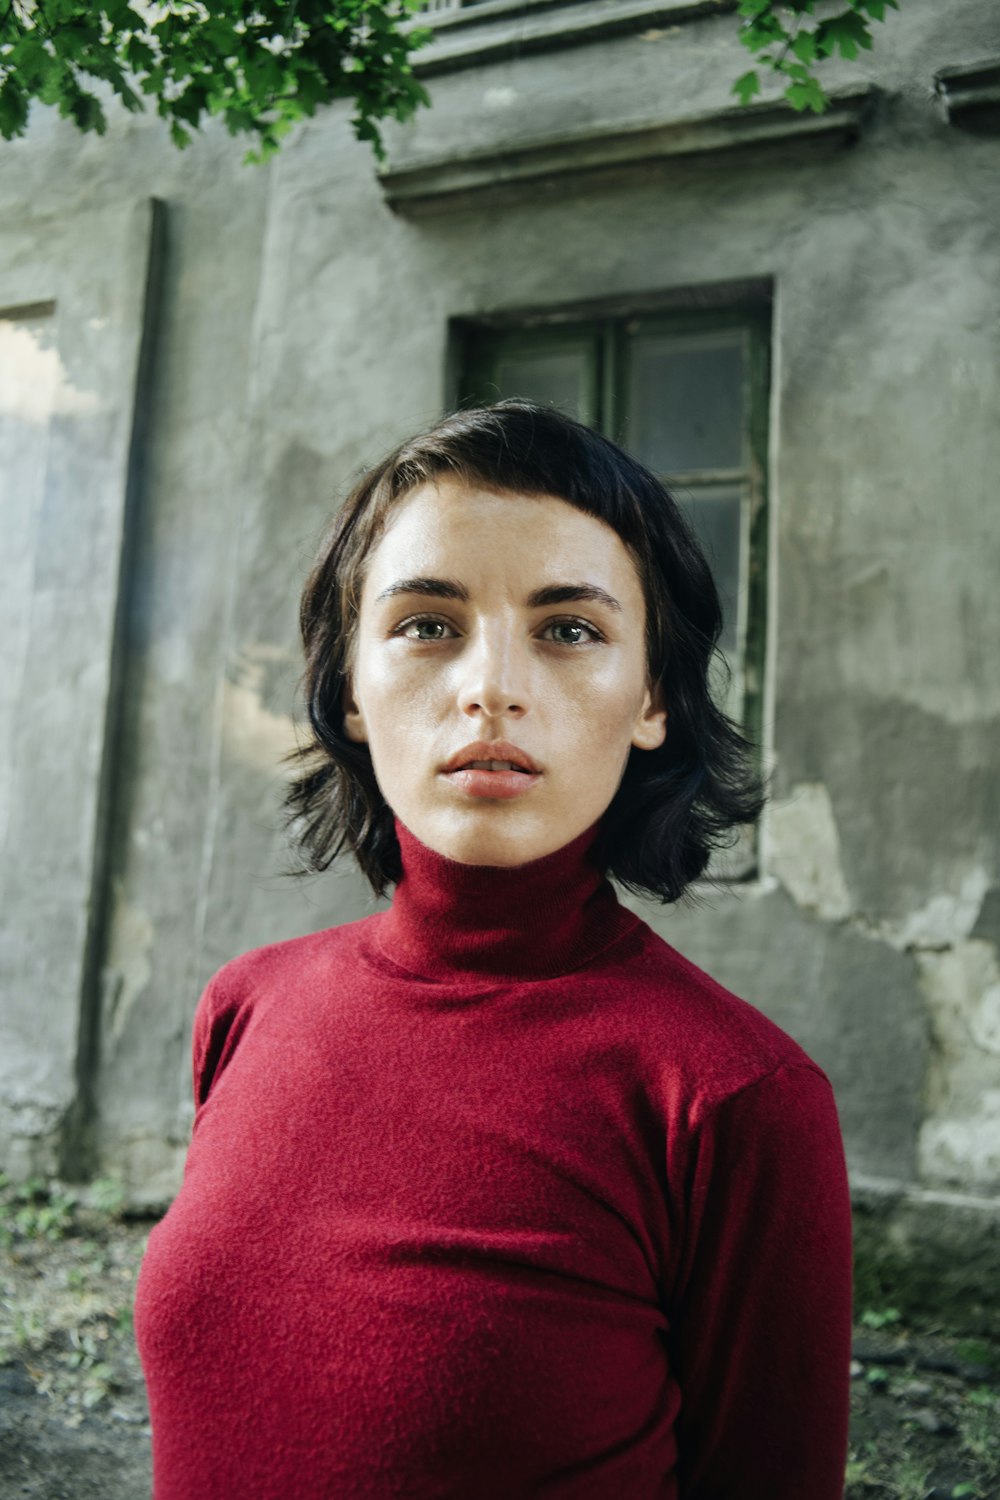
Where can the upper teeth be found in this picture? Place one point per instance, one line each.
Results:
(493, 765)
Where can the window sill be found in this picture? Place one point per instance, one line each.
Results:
(432, 181)
(497, 29)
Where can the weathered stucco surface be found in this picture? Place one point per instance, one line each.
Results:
(304, 326)
(67, 411)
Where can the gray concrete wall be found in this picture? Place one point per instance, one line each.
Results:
(70, 363)
(304, 327)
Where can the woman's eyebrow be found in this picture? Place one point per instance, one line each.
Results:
(440, 588)
(552, 593)
(565, 593)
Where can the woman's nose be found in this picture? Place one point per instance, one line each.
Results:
(495, 670)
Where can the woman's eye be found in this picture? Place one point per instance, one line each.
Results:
(424, 622)
(573, 625)
(428, 628)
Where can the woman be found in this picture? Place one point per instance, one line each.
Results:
(493, 1193)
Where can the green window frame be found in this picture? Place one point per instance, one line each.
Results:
(620, 372)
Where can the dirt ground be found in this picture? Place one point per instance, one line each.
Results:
(74, 1424)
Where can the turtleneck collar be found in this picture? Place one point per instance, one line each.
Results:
(530, 921)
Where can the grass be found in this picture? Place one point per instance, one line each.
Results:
(67, 1288)
(66, 1293)
(925, 1424)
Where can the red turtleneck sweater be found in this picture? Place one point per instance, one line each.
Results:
(494, 1195)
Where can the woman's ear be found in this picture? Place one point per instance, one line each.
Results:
(651, 725)
(354, 722)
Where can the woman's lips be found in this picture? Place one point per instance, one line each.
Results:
(493, 783)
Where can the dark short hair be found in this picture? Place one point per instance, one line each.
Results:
(676, 803)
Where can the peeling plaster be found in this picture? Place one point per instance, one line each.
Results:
(946, 919)
(803, 851)
(803, 855)
(960, 1138)
(33, 382)
(252, 734)
(964, 1150)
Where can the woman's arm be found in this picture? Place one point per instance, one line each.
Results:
(761, 1336)
(219, 1022)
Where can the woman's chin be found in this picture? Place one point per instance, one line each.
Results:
(484, 831)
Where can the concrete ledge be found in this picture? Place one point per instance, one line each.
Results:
(498, 29)
(929, 1253)
(418, 183)
(970, 94)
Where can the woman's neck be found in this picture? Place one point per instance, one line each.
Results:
(529, 921)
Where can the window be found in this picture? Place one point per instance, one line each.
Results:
(685, 390)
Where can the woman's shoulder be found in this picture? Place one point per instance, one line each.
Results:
(252, 976)
(703, 1037)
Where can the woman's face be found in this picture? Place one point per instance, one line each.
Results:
(452, 649)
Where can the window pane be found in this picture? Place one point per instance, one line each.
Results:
(553, 377)
(715, 512)
(686, 406)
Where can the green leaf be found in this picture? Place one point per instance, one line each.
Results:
(746, 86)
(807, 95)
(189, 105)
(761, 33)
(179, 135)
(264, 73)
(797, 71)
(804, 47)
(13, 109)
(139, 55)
(844, 33)
(29, 60)
(875, 8)
(879, 1317)
(52, 90)
(131, 100)
(753, 7)
(154, 81)
(87, 112)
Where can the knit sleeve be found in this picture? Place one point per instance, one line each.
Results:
(219, 1021)
(761, 1334)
